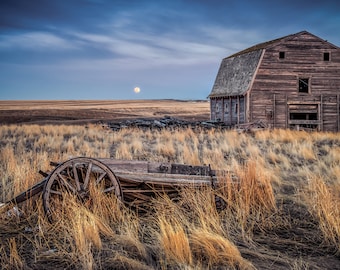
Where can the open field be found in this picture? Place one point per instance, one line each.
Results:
(92, 111)
(283, 212)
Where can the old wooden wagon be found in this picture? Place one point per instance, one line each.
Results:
(132, 182)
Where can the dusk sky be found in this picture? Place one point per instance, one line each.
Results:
(101, 49)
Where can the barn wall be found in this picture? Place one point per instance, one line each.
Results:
(234, 110)
(230, 110)
(242, 110)
(216, 109)
(330, 111)
(276, 81)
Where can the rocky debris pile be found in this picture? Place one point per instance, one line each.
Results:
(252, 126)
(165, 123)
(171, 123)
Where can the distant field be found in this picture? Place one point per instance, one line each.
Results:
(82, 111)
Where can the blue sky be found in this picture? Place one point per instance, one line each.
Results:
(101, 49)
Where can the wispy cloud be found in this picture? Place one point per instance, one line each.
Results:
(35, 41)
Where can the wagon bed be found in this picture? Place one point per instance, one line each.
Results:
(132, 182)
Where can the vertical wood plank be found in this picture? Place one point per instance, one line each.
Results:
(230, 111)
(320, 112)
(250, 108)
(238, 109)
(274, 110)
(223, 99)
(245, 109)
(337, 111)
(287, 111)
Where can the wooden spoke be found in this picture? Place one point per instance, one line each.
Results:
(87, 176)
(100, 177)
(66, 184)
(56, 192)
(109, 189)
(74, 176)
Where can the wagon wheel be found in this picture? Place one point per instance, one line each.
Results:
(77, 177)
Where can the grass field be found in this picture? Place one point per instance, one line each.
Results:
(282, 212)
(93, 111)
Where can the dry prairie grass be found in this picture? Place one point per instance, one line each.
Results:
(324, 203)
(268, 190)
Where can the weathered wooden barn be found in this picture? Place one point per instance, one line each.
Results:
(290, 82)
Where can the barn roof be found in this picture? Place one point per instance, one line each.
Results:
(235, 74)
(237, 70)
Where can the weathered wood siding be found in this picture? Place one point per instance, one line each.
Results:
(230, 110)
(276, 81)
(216, 105)
(330, 112)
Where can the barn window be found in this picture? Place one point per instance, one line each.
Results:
(303, 85)
(303, 116)
(226, 108)
(326, 56)
(281, 55)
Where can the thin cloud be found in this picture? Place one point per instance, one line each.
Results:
(35, 41)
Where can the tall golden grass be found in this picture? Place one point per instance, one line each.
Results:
(324, 203)
(189, 234)
(249, 196)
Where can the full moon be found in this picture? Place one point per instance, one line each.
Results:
(136, 90)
